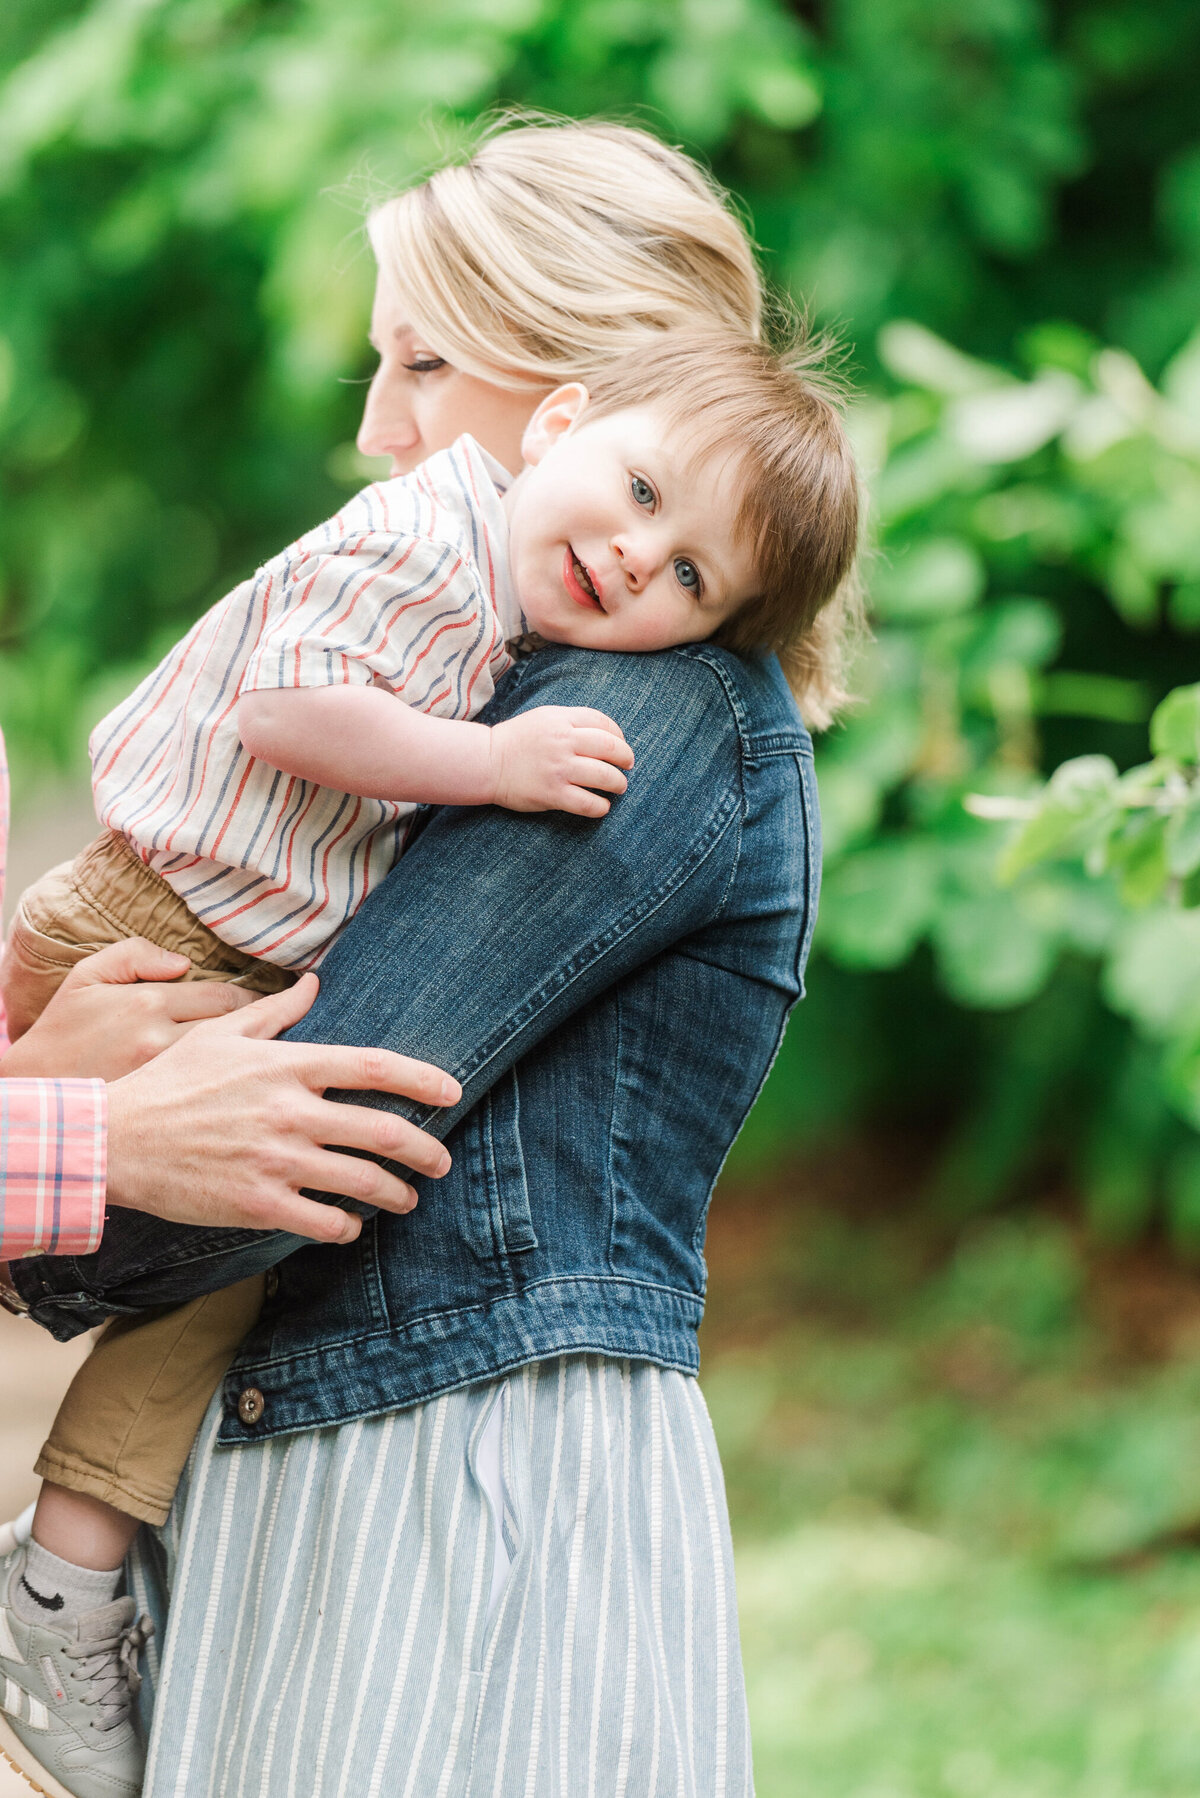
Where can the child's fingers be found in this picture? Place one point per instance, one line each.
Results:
(584, 715)
(603, 744)
(585, 772)
(582, 803)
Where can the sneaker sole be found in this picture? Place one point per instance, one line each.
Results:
(11, 1747)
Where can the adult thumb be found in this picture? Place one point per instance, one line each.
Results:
(276, 1012)
(120, 963)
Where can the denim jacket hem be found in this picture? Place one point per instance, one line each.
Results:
(630, 1320)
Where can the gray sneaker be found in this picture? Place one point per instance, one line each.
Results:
(66, 1695)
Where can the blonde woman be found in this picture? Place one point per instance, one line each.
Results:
(455, 1522)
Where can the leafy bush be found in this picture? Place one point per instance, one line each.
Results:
(183, 299)
(1034, 534)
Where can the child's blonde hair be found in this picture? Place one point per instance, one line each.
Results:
(556, 247)
(775, 418)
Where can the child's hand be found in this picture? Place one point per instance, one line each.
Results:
(550, 759)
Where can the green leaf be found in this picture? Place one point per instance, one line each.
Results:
(990, 954)
(929, 579)
(1175, 726)
(1183, 840)
(1075, 805)
(1154, 974)
(877, 904)
(1136, 852)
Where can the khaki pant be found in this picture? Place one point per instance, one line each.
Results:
(126, 1425)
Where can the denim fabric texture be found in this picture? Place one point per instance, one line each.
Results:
(611, 995)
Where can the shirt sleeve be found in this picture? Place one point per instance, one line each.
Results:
(53, 1155)
(380, 608)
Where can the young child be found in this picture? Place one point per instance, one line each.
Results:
(259, 783)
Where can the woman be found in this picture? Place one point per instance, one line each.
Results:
(473, 1535)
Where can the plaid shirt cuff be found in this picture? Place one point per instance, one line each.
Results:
(53, 1155)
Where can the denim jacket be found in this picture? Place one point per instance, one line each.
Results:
(609, 993)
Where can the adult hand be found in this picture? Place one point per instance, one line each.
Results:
(115, 1011)
(226, 1126)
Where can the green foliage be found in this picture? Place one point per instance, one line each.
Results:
(1034, 534)
(183, 299)
(965, 1513)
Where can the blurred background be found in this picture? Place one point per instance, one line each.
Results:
(953, 1350)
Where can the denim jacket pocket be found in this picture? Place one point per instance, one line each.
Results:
(499, 1220)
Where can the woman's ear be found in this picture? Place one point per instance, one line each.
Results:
(556, 415)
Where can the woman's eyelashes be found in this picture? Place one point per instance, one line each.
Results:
(425, 365)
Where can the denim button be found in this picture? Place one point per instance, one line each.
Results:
(251, 1406)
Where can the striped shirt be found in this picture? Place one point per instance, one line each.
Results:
(53, 1143)
(407, 588)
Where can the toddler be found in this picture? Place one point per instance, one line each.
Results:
(260, 782)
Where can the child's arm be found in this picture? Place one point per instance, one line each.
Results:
(364, 740)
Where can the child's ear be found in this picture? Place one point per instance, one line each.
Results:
(556, 415)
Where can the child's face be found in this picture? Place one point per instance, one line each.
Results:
(618, 538)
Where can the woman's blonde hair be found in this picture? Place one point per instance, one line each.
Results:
(556, 247)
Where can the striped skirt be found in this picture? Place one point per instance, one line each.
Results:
(523, 1588)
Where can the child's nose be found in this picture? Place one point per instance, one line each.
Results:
(636, 561)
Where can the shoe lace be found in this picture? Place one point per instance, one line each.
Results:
(109, 1665)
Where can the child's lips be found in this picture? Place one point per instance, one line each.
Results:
(572, 568)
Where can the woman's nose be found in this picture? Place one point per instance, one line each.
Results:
(388, 427)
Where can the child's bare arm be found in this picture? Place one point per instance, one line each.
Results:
(365, 740)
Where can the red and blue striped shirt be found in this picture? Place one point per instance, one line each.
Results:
(407, 588)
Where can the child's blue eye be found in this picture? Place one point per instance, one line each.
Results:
(642, 491)
(687, 574)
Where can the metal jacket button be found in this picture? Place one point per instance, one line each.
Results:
(251, 1406)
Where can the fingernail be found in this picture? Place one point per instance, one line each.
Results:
(451, 1091)
(412, 1197)
(444, 1165)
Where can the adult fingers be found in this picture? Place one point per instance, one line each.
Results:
(352, 1178)
(588, 773)
(602, 743)
(305, 1217)
(277, 1012)
(322, 1065)
(378, 1133)
(199, 999)
(132, 959)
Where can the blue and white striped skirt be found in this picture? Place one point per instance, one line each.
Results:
(524, 1588)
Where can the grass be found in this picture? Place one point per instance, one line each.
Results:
(964, 1476)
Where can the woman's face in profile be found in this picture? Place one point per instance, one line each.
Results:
(419, 403)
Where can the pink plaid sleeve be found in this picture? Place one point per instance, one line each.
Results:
(53, 1146)
(53, 1139)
